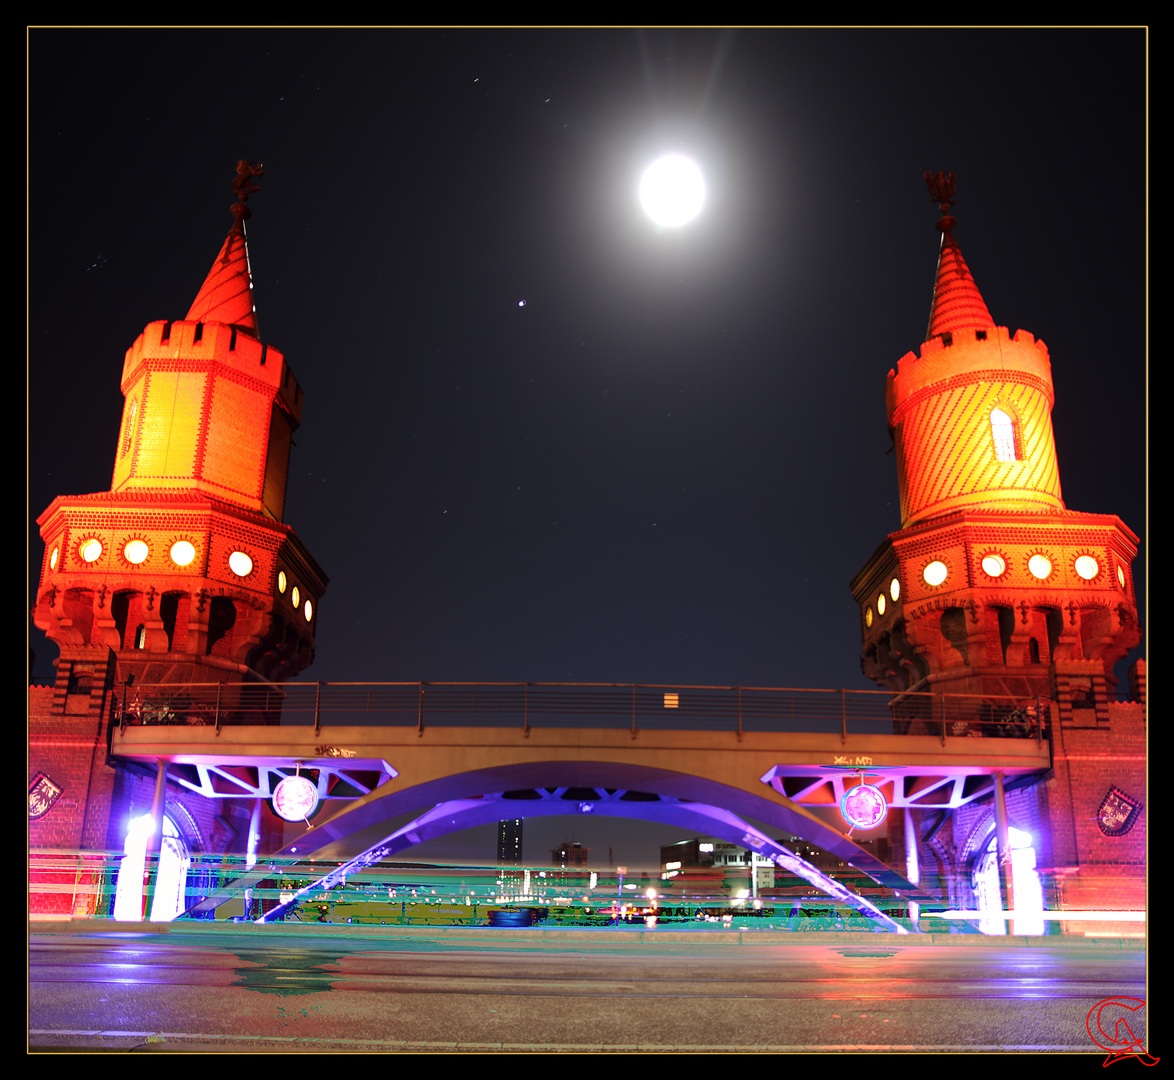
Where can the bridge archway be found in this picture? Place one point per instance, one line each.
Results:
(557, 787)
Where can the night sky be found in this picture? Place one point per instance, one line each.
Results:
(543, 439)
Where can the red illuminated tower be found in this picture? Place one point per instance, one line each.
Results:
(990, 586)
(184, 571)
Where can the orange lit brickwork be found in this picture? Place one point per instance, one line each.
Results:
(182, 572)
(1093, 753)
(209, 409)
(940, 405)
(990, 582)
(992, 587)
(175, 571)
(977, 629)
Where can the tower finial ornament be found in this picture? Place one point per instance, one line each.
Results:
(941, 190)
(243, 186)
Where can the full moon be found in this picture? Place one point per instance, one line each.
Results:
(672, 190)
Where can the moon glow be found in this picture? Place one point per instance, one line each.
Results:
(672, 190)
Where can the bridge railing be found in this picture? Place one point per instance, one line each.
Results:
(597, 705)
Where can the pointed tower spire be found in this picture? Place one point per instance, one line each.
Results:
(957, 303)
(185, 570)
(227, 293)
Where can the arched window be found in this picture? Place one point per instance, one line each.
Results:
(1003, 430)
(1029, 896)
(174, 860)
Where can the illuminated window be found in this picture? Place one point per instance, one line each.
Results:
(1040, 566)
(309, 609)
(53, 560)
(993, 565)
(895, 590)
(1087, 567)
(868, 616)
(935, 573)
(282, 582)
(182, 553)
(880, 604)
(1029, 897)
(170, 897)
(136, 551)
(1121, 576)
(128, 895)
(1003, 430)
(91, 550)
(295, 596)
(240, 564)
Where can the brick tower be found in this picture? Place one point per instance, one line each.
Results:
(184, 571)
(992, 588)
(990, 585)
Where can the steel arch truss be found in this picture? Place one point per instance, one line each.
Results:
(457, 814)
(349, 781)
(916, 788)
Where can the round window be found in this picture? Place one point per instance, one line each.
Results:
(240, 564)
(994, 565)
(182, 552)
(136, 551)
(935, 573)
(1040, 566)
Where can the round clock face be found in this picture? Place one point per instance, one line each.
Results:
(864, 806)
(295, 798)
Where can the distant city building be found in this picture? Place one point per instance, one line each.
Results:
(509, 842)
(704, 853)
(570, 853)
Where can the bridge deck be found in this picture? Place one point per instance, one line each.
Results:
(804, 767)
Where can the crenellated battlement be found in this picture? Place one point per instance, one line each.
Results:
(966, 357)
(180, 345)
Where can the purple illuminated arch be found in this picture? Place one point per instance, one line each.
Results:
(468, 799)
